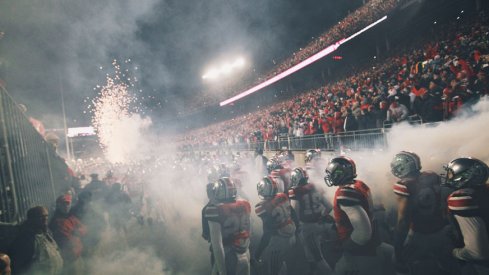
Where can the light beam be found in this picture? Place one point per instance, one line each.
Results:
(307, 62)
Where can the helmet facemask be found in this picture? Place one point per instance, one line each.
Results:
(334, 176)
(340, 171)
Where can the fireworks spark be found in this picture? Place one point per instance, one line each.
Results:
(116, 117)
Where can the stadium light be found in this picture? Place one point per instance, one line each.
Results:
(331, 48)
(225, 69)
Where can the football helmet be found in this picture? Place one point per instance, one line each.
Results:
(466, 172)
(273, 164)
(222, 170)
(267, 188)
(212, 175)
(340, 171)
(224, 190)
(298, 177)
(405, 164)
(312, 154)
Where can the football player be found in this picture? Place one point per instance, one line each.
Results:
(278, 225)
(312, 210)
(419, 240)
(469, 211)
(229, 229)
(362, 250)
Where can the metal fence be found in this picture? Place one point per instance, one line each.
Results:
(354, 140)
(31, 172)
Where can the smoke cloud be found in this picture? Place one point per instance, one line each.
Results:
(436, 145)
(175, 245)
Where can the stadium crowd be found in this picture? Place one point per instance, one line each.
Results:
(427, 83)
(353, 22)
(368, 13)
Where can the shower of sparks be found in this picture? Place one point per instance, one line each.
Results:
(116, 115)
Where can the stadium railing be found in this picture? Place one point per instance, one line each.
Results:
(352, 140)
(31, 172)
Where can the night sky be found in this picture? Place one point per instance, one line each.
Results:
(51, 46)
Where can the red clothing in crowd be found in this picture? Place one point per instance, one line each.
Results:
(67, 232)
(464, 66)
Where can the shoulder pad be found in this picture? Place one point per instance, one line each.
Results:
(211, 211)
(348, 196)
(362, 187)
(244, 204)
(462, 202)
(400, 188)
(260, 208)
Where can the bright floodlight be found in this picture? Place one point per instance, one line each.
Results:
(331, 48)
(239, 62)
(225, 69)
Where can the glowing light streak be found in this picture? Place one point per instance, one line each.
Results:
(288, 72)
(364, 29)
(307, 62)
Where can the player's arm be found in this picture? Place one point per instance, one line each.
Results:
(295, 205)
(267, 234)
(362, 229)
(348, 199)
(217, 247)
(473, 228)
(403, 217)
(475, 237)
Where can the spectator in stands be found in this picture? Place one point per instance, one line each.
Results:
(5, 264)
(34, 250)
(67, 232)
(481, 85)
(380, 114)
(338, 123)
(367, 119)
(434, 106)
(397, 112)
(428, 105)
(351, 123)
(261, 162)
